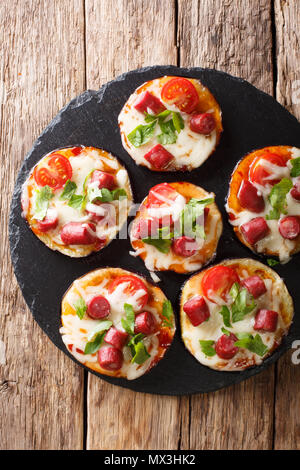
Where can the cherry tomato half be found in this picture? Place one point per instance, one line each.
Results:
(134, 284)
(161, 195)
(218, 281)
(182, 93)
(259, 174)
(56, 171)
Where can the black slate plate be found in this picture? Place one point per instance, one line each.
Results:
(251, 120)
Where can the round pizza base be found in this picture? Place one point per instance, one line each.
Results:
(181, 150)
(193, 287)
(156, 300)
(109, 164)
(180, 264)
(238, 174)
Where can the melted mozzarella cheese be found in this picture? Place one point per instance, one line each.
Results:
(78, 332)
(173, 208)
(211, 329)
(191, 149)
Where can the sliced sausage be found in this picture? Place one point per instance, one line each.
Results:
(98, 307)
(159, 157)
(110, 358)
(104, 180)
(289, 227)
(202, 123)
(255, 285)
(49, 222)
(255, 230)
(77, 233)
(197, 310)
(185, 246)
(147, 100)
(266, 320)
(295, 191)
(225, 347)
(249, 197)
(116, 338)
(144, 323)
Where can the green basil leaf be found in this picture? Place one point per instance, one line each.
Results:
(141, 134)
(87, 178)
(41, 203)
(154, 117)
(295, 171)
(102, 195)
(76, 201)
(141, 353)
(225, 312)
(162, 245)
(134, 341)
(207, 347)
(128, 322)
(103, 325)
(69, 189)
(119, 193)
(239, 308)
(188, 223)
(253, 344)
(277, 198)
(177, 121)
(167, 313)
(168, 135)
(92, 346)
(272, 262)
(226, 332)
(234, 291)
(80, 307)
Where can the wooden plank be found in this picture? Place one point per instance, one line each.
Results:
(235, 37)
(287, 403)
(122, 35)
(42, 57)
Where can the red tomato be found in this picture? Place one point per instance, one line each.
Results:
(55, 173)
(134, 284)
(218, 281)
(160, 194)
(259, 174)
(182, 93)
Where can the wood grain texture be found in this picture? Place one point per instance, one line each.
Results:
(122, 35)
(235, 37)
(41, 390)
(287, 404)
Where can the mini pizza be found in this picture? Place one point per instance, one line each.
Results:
(234, 314)
(76, 199)
(170, 124)
(264, 201)
(116, 323)
(177, 228)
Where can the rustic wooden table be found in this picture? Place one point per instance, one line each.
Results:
(52, 50)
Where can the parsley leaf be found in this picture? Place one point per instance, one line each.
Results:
(295, 171)
(167, 313)
(239, 308)
(272, 262)
(277, 198)
(162, 245)
(141, 134)
(207, 347)
(69, 189)
(225, 312)
(128, 322)
(41, 204)
(92, 346)
(105, 195)
(80, 307)
(254, 344)
(141, 353)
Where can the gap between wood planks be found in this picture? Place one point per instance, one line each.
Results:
(275, 80)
